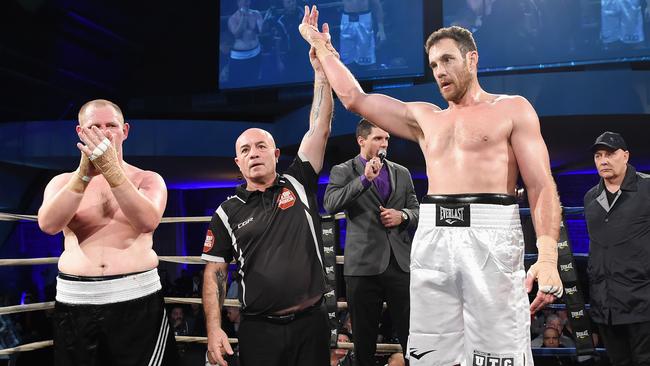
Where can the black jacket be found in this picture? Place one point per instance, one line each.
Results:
(619, 259)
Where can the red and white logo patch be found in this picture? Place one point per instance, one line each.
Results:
(209, 241)
(286, 199)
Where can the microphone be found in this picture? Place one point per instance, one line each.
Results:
(382, 155)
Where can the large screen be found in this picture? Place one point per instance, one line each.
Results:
(260, 44)
(513, 34)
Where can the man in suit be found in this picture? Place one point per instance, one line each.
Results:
(380, 205)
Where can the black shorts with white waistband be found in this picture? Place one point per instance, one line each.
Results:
(117, 320)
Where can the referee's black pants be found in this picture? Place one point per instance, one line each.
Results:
(365, 295)
(302, 341)
(627, 344)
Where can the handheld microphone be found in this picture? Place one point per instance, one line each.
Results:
(382, 155)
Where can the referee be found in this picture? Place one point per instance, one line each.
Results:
(271, 226)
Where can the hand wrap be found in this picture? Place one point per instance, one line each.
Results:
(545, 269)
(108, 164)
(323, 47)
(100, 149)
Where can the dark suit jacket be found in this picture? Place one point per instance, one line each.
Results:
(367, 241)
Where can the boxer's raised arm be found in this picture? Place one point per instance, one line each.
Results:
(390, 114)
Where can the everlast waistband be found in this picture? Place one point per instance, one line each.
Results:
(484, 198)
(471, 210)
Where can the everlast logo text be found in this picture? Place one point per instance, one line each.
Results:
(453, 215)
(562, 244)
(327, 231)
(582, 335)
(577, 314)
(566, 267)
(571, 290)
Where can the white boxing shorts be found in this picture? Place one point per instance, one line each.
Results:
(357, 39)
(469, 305)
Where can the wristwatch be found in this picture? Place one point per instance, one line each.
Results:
(405, 217)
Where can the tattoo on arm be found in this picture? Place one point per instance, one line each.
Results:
(315, 110)
(221, 286)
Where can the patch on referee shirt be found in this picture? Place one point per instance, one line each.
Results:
(286, 199)
(209, 241)
(455, 214)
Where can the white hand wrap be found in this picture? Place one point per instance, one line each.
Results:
(100, 149)
(545, 269)
(84, 169)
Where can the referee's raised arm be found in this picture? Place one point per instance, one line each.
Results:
(312, 147)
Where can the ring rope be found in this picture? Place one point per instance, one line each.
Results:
(26, 347)
(204, 340)
(28, 261)
(163, 258)
(182, 259)
(4, 216)
(233, 303)
(381, 347)
(26, 307)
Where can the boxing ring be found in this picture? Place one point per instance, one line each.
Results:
(196, 260)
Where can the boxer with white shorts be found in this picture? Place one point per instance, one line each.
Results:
(479, 144)
(468, 263)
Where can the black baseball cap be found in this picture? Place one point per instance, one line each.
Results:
(611, 140)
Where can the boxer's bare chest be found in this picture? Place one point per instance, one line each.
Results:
(481, 129)
(98, 210)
